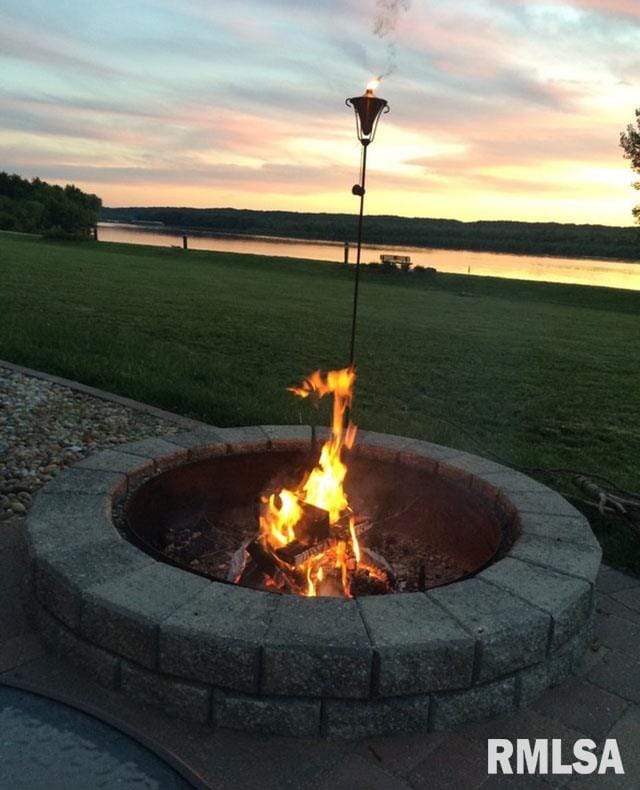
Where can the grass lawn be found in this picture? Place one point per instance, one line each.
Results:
(533, 374)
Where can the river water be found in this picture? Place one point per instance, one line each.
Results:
(581, 271)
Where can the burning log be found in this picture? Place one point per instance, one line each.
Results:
(314, 524)
(374, 576)
(263, 559)
(297, 552)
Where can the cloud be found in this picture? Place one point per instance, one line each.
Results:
(248, 97)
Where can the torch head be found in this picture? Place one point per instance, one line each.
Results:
(368, 109)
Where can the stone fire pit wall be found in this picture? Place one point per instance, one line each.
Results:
(245, 659)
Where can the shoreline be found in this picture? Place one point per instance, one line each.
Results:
(204, 233)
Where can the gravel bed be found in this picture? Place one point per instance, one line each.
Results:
(45, 427)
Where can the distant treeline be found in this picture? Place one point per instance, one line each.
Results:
(534, 238)
(37, 207)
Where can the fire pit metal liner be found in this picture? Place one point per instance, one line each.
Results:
(240, 658)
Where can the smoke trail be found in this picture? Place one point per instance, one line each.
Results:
(384, 26)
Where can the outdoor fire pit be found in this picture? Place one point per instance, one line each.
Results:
(419, 532)
(184, 638)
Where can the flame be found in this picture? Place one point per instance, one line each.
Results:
(354, 540)
(278, 521)
(373, 84)
(323, 487)
(311, 586)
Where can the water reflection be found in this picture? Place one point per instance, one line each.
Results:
(522, 267)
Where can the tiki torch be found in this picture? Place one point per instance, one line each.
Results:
(368, 109)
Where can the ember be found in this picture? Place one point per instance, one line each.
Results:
(308, 541)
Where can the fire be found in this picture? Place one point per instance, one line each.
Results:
(354, 539)
(373, 84)
(283, 514)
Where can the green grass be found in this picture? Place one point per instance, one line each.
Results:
(534, 374)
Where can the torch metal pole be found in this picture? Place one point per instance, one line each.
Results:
(361, 191)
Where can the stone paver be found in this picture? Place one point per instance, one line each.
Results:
(619, 674)
(612, 581)
(582, 706)
(355, 773)
(401, 755)
(610, 604)
(629, 597)
(454, 764)
(620, 633)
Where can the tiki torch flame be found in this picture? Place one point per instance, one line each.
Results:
(372, 85)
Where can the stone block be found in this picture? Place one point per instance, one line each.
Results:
(380, 446)
(124, 614)
(57, 521)
(569, 529)
(87, 481)
(201, 443)
(165, 454)
(268, 715)
(100, 665)
(426, 455)
(317, 647)
(288, 437)
(464, 467)
(180, 698)
(569, 558)
(510, 632)
(250, 439)
(420, 647)
(46, 625)
(133, 466)
(558, 665)
(543, 502)
(217, 637)
(566, 598)
(474, 704)
(353, 719)
(62, 577)
(509, 480)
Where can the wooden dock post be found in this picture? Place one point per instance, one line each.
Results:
(346, 252)
(184, 242)
(95, 233)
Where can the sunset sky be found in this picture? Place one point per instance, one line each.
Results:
(500, 109)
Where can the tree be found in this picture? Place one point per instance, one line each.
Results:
(37, 207)
(630, 142)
